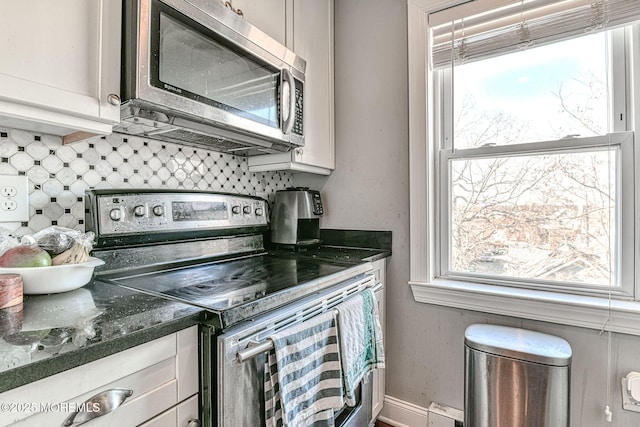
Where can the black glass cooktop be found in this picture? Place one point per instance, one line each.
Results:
(238, 289)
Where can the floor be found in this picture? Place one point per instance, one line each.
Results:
(381, 424)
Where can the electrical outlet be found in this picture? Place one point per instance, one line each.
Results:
(14, 198)
(8, 205)
(8, 191)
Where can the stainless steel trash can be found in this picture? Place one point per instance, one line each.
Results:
(515, 377)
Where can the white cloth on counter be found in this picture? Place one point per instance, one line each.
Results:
(303, 379)
(360, 335)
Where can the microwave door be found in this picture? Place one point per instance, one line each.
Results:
(206, 69)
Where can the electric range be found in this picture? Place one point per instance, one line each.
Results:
(205, 249)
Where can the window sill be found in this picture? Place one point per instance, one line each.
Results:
(565, 309)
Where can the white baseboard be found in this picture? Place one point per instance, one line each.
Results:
(399, 413)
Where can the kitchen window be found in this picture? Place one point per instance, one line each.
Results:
(531, 168)
(530, 160)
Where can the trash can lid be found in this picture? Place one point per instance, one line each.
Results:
(519, 344)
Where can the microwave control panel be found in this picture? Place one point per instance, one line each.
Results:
(299, 111)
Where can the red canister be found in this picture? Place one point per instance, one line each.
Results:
(10, 290)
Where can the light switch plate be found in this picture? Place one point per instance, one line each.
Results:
(14, 198)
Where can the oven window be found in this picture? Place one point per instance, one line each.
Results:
(203, 67)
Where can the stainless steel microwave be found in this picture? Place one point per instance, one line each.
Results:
(194, 72)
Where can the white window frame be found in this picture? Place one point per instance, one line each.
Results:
(622, 141)
(586, 311)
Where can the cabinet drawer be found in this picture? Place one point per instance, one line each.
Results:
(180, 416)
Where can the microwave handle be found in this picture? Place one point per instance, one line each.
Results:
(287, 124)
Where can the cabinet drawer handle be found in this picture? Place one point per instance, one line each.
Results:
(228, 5)
(113, 99)
(98, 405)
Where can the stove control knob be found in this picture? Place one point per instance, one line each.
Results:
(115, 214)
(246, 210)
(139, 210)
(235, 210)
(259, 211)
(158, 210)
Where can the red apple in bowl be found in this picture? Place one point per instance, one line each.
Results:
(25, 256)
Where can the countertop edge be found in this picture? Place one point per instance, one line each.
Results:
(378, 256)
(44, 368)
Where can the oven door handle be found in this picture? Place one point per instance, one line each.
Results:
(255, 348)
(375, 288)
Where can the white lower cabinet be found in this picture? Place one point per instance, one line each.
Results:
(378, 387)
(184, 414)
(157, 377)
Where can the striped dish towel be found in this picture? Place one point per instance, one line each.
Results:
(303, 380)
(360, 340)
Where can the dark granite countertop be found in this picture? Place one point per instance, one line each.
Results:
(54, 333)
(344, 253)
(347, 246)
(57, 332)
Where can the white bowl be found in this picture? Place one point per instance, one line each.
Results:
(55, 278)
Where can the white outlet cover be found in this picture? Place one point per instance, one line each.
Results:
(628, 403)
(19, 184)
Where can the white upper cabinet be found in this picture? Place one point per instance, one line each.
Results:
(308, 32)
(268, 15)
(60, 67)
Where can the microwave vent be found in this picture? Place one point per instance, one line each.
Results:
(179, 130)
(199, 139)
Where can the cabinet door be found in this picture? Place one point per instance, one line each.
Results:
(310, 34)
(378, 380)
(378, 386)
(313, 41)
(61, 61)
(188, 411)
(183, 415)
(268, 15)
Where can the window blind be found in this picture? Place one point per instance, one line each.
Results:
(520, 25)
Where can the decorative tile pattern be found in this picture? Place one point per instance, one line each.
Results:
(59, 174)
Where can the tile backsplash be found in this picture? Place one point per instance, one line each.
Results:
(59, 174)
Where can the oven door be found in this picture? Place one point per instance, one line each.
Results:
(237, 366)
(201, 62)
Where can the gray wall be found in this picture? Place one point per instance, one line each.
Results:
(369, 190)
